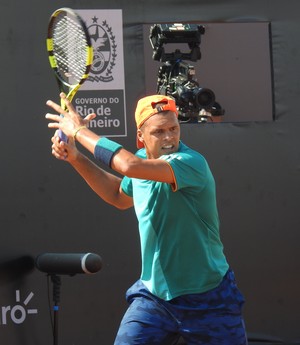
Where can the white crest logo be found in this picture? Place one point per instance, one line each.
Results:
(104, 44)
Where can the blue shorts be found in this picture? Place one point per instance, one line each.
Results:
(210, 318)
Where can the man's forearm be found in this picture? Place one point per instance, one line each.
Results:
(103, 183)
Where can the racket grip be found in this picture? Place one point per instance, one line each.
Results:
(62, 136)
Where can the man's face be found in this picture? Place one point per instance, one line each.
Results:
(160, 134)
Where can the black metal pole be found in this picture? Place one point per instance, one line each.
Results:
(56, 280)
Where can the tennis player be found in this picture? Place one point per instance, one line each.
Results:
(186, 287)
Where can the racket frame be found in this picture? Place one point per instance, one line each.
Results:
(69, 89)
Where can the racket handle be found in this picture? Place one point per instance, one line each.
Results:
(62, 135)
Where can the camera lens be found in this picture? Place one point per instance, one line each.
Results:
(204, 97)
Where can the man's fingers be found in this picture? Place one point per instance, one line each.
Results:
(89, 117)
(60, 156)
(53, 117)
(67, 102)
(56, 107)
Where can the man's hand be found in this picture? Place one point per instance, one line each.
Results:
(70, 119)
(62, 150)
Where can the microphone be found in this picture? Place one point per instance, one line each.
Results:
(68, 263)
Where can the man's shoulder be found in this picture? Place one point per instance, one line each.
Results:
(186, 157)
(186, 152)
(141, 153)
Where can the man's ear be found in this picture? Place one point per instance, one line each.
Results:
(140, 136)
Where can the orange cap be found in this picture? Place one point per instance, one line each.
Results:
(147, 107)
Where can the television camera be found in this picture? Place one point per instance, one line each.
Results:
(176, 77)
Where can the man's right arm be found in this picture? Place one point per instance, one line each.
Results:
(104, 184)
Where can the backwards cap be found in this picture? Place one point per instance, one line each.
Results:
(147, 107)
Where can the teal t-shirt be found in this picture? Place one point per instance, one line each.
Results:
(179, 227)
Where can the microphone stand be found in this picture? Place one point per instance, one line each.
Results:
(65, 263)
(56, 280)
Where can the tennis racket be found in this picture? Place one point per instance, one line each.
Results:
(70, 52)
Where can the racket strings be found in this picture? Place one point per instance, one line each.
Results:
(70, 49)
